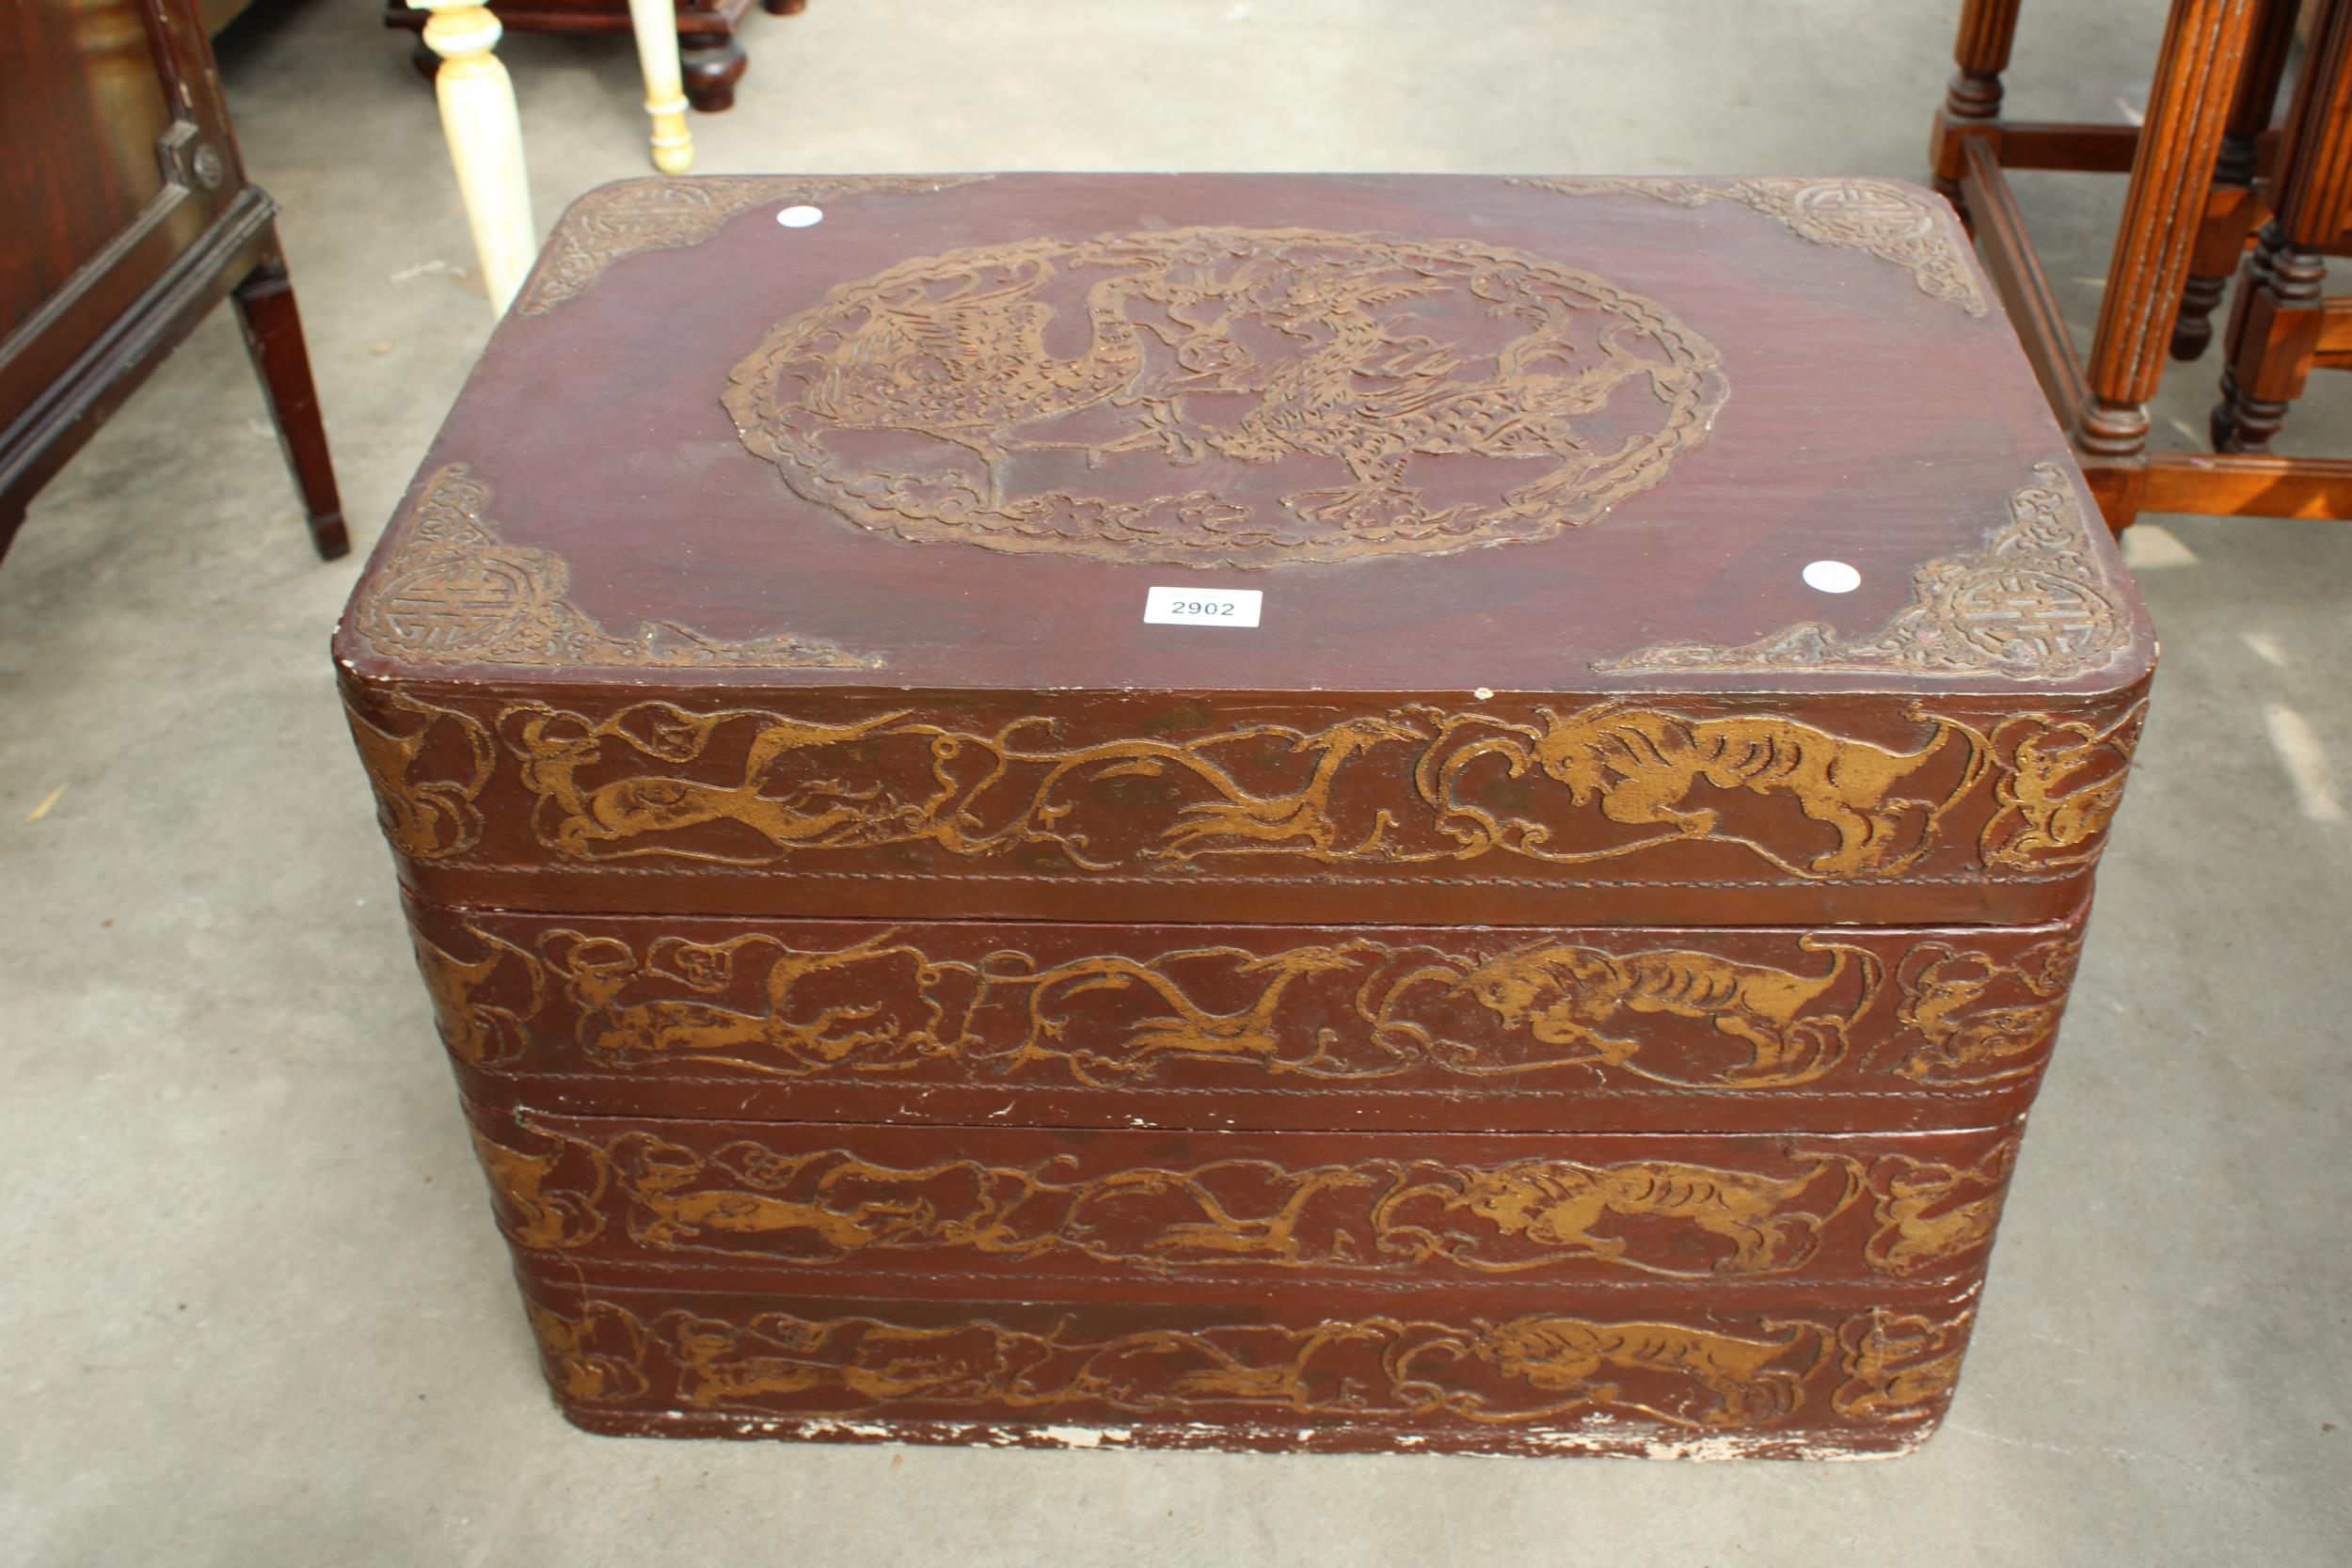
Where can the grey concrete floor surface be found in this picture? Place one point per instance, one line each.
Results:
(252, 1310)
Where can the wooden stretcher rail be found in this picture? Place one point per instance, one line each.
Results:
(2066, 146)
(2238, 485)
(2016, 272)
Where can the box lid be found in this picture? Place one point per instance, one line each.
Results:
(1604, 533)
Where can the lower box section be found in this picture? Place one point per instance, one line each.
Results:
(1673, 1371)
(1151, 1209)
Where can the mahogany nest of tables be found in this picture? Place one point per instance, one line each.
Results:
(1283, 812)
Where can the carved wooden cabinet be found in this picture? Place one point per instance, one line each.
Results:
(1560, 965)
(129, 219)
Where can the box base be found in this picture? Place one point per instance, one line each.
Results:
(1596, 1439)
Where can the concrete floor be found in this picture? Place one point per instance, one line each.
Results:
(255, 1313)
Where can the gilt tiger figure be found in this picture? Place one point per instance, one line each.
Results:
(1641, 765)
(1563, 1206)
(1569, 995)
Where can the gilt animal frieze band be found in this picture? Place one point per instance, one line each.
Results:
(452, 592)
(631, 215)
(1893, 223)
(1227, 397)
(1779, 1371)
(2036, 603)
(1412, 785)
(1819, 1213)
(1550, 1012)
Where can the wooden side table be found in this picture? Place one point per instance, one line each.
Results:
(2204, 92)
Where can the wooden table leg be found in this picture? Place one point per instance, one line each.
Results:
(655, 23)
(2274, 325)
(272, 336)
(2188, 107)
(1987, 27)
(485, 142)
(714, 62)
(2234, 208)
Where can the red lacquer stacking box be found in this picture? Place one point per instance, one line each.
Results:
(1250, 811)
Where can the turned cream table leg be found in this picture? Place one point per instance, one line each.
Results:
(656, 24)
(486, 141)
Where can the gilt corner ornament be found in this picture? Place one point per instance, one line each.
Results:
(1880, 217)
(452, 592)
(2034, 603)
(632, 216)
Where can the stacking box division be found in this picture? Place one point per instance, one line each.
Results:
(1542, 942)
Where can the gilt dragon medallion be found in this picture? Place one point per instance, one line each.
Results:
(1227, 397)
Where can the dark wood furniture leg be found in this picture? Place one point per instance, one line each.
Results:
(1987, 28)
(2188, 107)
(2234, 208)
(272, 336)
(2279, 318)
(784, 8)
(713, 63)
(127, 348)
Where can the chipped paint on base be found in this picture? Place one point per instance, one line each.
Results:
(1588, 1439)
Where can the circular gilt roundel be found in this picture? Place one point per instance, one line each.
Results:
(2017, 616)
(1227, 397)
(1867, 214)
(462, 602)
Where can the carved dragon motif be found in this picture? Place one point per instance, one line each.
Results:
(1302, 380)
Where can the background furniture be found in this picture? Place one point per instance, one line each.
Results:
(665, 98)
(130, 217)
(217, 14)
(2239, 199)
(2282, 327)
(484, 133)
(2191, 168)
(485, 143)
(713, 60)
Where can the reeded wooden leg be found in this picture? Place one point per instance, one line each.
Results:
(655, 23)
(2274, 325)
(714, 63)
(485, 142)
(1987, 28)
(2188, 107)
(2233, 207)
(272, 336)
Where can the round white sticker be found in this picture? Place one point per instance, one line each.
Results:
(801, 218)
(1831, 577)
